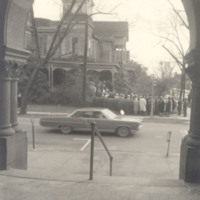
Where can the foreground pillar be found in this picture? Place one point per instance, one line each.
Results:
(13, 105)
(190, 147)
(13, 29)
(5, 125)
(13, 147)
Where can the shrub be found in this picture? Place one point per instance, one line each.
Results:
(68, 97)
(114, 104)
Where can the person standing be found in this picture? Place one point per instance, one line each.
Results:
(19, 99)
(168, 107)
(173, 104)
(135, 105)
(156, 106)
(179, 107)
(185, 105)
(143, 104)
(161, 106)
(148, 107)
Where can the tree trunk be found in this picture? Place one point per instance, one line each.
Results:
(23, 108)
(182, 90)
(184, 76)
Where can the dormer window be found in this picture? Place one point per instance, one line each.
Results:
(86, 8)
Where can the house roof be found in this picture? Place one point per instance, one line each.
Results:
(42, 22)
(105, 30)
(108, 29)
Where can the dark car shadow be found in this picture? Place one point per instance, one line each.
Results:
(86, 133)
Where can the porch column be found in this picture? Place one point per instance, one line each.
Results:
(190, 147)
(51, 78)
(113, 80)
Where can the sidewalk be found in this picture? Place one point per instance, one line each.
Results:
(37, 110)
(58, 175)
(51, 176)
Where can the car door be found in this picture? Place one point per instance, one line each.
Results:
(79, 121)
(103, 123)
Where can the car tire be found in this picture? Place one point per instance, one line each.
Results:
(65, 129)
(123, 131)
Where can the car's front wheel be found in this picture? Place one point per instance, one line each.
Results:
(65, 129)
(123, 131)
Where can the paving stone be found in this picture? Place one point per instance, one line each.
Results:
(120, 195)
(139, 196)
(159, 197)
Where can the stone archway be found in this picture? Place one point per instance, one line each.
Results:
(190, 147)
(13, 141)
(13, 14)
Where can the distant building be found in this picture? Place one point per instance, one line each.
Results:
(106, 52)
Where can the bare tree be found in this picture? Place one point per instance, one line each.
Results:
(62, 32)
(173, 41)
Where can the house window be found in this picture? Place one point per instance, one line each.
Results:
(74, 46)
(43, 44)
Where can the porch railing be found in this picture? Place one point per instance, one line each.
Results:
(93, 131)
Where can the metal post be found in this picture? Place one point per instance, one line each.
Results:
(93, 124)
(168, 140)
(33, 133)
(111, 161)
(103, 143)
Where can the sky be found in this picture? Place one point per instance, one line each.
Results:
(146, 20)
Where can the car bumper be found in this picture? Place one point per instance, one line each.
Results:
(135, 130)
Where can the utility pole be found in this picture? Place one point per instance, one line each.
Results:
(85, 62)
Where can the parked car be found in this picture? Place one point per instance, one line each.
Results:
(106, 121)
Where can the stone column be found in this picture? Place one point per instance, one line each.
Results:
(13, 105)
(5, 125)
(190, 147)
(13, 147)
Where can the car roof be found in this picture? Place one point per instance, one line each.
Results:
(90, 109)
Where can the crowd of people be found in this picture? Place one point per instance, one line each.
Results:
(162, 106)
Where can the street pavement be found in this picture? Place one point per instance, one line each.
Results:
(56, 174)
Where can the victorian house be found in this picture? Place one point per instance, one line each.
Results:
(106, 46)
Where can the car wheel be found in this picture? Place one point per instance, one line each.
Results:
(123, 131)
(65, 129)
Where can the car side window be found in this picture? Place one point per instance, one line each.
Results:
(77, 114)
(98, 115)
(87, 114)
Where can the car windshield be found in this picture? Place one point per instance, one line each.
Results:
(109, 114)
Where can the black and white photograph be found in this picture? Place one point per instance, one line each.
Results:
(99, 99)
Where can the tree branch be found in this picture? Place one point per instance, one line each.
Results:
(178, 14)
(49, 53)
(171, 41)
(174, 57)
(35, 35)
(67, 29)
